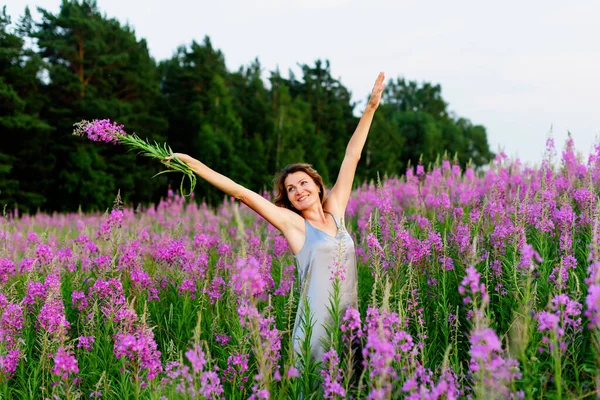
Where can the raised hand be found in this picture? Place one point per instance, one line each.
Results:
(376, 93)
(181, 157)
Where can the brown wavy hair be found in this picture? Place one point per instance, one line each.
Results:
(281, 199)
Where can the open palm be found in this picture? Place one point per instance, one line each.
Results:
(377, 92)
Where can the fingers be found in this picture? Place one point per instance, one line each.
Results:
(379, 85)
(172, 156)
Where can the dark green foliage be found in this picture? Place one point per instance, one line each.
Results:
(89, 66)
(24, 164)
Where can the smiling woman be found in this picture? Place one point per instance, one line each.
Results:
(303, 174)
(313, 224)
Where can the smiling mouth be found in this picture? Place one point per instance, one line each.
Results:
(302, 198)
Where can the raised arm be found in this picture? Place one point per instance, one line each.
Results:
(340, 193)
(279, 217)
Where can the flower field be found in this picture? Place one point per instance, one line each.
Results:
(470, 285)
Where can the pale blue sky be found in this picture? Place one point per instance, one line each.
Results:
(516, 67)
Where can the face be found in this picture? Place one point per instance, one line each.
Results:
(301, 190)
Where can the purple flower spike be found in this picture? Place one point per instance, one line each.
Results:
(100, 130)
(65, 364)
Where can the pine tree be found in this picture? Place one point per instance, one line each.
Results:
(25, 166)
(98, 69)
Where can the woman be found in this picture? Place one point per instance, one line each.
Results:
(311, 222)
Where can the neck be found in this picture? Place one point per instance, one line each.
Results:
(314, 213)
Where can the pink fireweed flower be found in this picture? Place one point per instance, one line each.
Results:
(172, 253)
(79, 300)
(125, 317)
(287, 279)
(3, 301)
(131, 256)
(102, 130)
(280, 246)
(9, 362)
(52, 318)
(248, 279)
(592, 302)
(216, 289)
(27, 264)
(86, 342)
(471, 286)
(258, 393)
(560, 274)
(487, 361)
(224, 249)
(110, 293)
(484, 342)
(292, 372)
(11, 324)
(196, 358)
(187, 286)
(210, 385)
(447, 263)
(197, 267)
(52, 282)
(64, 258)
(373, 244)
(270, 339)
(141, 348)
(140, 278)
(337, 271)
(237, 365)
(35, 291)
(529, 257)
(351, 324)
(379, 352)
(222, 339)
(43, 254)
(102, 263)
(33, 238)
(332, 375)
(421, 385)
(7, 269)
(562, 319)
(112, 222)
(65, 364)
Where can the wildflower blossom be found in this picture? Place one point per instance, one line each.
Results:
(332, 376)
(139, 347)
(563, 317)
(65, 364)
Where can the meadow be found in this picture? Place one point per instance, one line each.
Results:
(471, 285)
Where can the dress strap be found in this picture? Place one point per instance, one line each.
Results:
(335, 219)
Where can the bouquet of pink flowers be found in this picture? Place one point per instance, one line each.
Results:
(103, 130)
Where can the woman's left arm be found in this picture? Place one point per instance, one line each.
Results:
(340, 193)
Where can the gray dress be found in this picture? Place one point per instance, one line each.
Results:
(320, 255)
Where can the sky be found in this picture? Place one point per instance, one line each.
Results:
(525, 70)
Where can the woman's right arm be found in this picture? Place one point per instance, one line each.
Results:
(281, 218)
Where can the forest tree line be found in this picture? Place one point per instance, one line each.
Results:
(80, 64)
